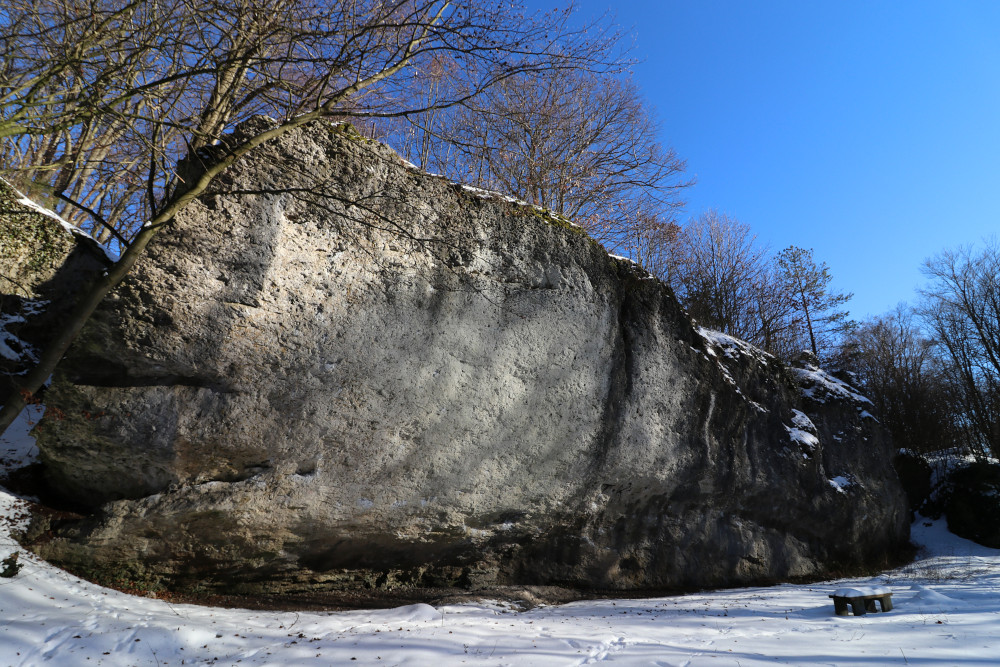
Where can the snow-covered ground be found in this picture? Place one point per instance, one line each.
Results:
(947, 612)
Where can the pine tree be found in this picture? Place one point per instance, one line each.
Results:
(808, 285)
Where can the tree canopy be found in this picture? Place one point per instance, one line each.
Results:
(100, 100)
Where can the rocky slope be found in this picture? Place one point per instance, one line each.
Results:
(338, 371)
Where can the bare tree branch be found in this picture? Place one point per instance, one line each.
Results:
(103, 100)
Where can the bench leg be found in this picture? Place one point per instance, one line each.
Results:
(859, 606)
(840, 606)
(886, 603)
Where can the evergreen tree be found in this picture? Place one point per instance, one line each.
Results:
(818, 308)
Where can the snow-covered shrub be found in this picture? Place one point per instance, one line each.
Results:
(10, 566)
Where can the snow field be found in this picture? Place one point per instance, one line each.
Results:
(947, 612)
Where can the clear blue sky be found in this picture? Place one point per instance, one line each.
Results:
(868, 131)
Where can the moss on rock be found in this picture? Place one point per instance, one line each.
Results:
(32, 245)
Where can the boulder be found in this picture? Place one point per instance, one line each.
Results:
(972, 503)
(336, 371)
(43, 263)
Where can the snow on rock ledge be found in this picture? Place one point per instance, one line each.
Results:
(820, 386)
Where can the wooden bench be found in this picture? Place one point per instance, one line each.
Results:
(862, 599)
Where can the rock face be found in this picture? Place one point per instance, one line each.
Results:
(42, 264)
(972, 503)
(338, 371)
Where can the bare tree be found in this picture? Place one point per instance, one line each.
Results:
(962, 308)
(727, 281)
(104, 99)
(645, 236)
(579, 143)
(71, 91)
(897, 367)
(143, 85)
(777, 324)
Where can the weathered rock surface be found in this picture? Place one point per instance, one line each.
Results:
(339, 371)
(42, 265)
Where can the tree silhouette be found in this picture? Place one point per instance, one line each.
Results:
(819, 308)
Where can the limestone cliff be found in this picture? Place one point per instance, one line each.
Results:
(336, 370)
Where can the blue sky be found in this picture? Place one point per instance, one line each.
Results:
(868, 131)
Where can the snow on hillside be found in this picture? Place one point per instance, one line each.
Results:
(947, 611)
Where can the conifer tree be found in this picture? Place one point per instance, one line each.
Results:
(818, 307)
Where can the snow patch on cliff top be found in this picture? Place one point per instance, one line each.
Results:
(820, 386)
(72, 229)
(732, 347)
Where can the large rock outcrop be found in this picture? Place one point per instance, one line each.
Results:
(336, 370)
